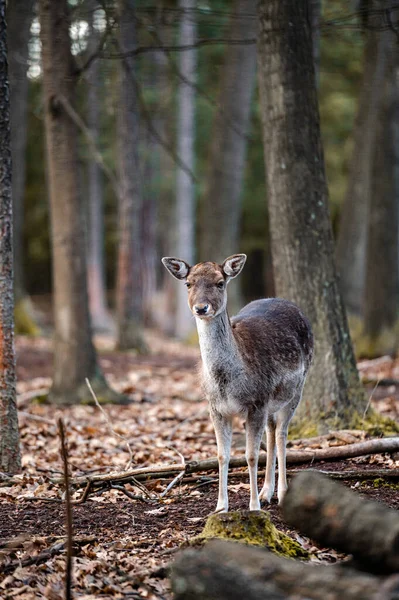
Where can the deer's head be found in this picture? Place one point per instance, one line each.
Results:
(206, 282)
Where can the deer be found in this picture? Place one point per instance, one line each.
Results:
(254, 366)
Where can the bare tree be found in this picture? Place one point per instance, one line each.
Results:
(353, 227)
(301, 235)
(185, 188)
(9, 438)
(221, 210)
(19, 20)
(74, 353)
(101, 318)
(129, 293)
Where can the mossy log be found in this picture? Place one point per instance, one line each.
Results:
(228, 571)
(250, 527)
(329, 513)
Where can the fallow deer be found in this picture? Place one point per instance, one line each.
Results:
(253, 366)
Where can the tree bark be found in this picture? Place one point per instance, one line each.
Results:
(301, 235)
(185, 188)
(129, 295)
(381, 299)
(100, 316)
(221, 208)
(330, 513)
(74, 353)
(9, 437)
(19, 19)
(353, 225)
(228, 570)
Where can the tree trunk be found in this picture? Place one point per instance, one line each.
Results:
(353, 227)
(9, 438)
(74, 353)
(231, 571)
(185, 188)
(101, 319)
(381, 299)
(19, 19)
(301, 235)
(129, 295)
(221, 210)
(340, 518)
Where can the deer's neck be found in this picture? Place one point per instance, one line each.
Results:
(217, 344)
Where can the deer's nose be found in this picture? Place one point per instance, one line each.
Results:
(201, 309)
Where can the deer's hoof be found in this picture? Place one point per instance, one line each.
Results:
(266, 494)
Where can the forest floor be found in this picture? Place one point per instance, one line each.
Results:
(123, 545)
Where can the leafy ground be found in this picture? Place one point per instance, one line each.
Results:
(122, 545)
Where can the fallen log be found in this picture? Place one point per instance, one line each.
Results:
(375, 446)
(231, 571)
(330, 513)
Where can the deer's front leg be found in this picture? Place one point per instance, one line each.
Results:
(254, 427)
(223, 430)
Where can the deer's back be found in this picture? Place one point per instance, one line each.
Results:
(273, 331)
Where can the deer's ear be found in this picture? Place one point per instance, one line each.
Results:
(233, 265)
(176, 267)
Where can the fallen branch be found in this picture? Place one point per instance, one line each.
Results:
(376, 446)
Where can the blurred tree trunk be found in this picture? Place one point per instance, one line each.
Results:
(185, 187)
(100, 316)
(381, 299)
(10, 461)
(221, 210)
(353, 228)
(19, 19)
(129, 292)
(74, 353)
(301, 235)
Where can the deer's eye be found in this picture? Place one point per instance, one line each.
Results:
(220, 285)
(188, 285)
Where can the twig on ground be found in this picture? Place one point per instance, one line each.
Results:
(69, 524)
(369, 400)
(32, 417)
(110, 426)
(172, 484)
(56, 548)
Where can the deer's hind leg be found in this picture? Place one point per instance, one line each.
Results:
(267, 491)
(283, 418)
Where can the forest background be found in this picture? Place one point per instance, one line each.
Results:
(159, 77)
(156, 139)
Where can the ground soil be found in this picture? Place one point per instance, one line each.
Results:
(127, 541)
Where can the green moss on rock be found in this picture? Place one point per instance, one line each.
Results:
(250, 527)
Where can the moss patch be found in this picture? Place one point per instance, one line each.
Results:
(372, 423)
(250, 527)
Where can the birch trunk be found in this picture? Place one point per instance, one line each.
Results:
(301, 235)
(9, 437)
(185, 188)
(101, 318)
